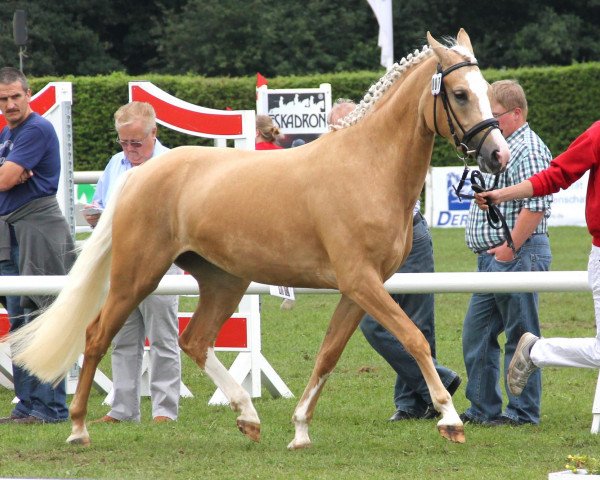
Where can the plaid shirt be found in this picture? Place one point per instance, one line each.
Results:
(528, 155)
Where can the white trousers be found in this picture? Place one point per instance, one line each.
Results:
(574, 352)
(155, 318)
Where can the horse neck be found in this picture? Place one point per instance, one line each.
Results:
(399, 124)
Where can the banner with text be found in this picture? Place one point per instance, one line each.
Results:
(444, 209)
(298, 112)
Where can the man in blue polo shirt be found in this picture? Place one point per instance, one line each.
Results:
(29, 173)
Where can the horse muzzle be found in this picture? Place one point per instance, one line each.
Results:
(493, 153)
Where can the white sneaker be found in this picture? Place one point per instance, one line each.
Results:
(521, 366)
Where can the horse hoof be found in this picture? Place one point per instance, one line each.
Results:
(250, 429)
(454, 433)
(294, 445)
(79, 440)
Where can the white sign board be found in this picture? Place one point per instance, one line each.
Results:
(444, 209)
(296, 111)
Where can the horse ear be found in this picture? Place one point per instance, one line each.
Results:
(433, 43)
(437, 47)
(463, 40)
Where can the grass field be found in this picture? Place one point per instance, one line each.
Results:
(351, 437)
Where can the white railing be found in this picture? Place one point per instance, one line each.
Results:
(87, 177)
(440, 282)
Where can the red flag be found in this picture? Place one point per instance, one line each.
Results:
(260, 80)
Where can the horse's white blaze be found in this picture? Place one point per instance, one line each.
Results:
(479, 87)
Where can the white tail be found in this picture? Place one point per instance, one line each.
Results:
(50, 345)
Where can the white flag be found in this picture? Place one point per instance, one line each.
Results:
(383, 13)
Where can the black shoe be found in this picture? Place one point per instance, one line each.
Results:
(504, 420)
(28, 420)
(430, 411)
(402, 415)
(10, 419)
(467, 419)
(453, 385)
(500, 421)
(428, 414)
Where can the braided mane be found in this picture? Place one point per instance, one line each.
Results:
(377, 90)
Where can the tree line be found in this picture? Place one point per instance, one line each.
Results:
(241, 37)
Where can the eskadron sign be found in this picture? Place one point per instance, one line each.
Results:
(296, 111)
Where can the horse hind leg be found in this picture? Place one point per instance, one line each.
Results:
(131, 281)
(220, 295)
(99, 334)
(344, 321)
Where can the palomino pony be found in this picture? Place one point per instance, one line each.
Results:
(335, 213)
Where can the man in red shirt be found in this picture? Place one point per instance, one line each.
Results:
(532, 352)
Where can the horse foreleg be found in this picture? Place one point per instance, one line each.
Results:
(343, 323)
(387, 312)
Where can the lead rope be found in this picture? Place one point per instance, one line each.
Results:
(494, 216)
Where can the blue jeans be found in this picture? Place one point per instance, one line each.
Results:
(490, 314)
(411, 394)
(37, 399)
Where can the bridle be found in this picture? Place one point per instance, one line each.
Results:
(438, 89)
(495, 218)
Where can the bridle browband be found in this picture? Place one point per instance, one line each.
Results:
(438, 89)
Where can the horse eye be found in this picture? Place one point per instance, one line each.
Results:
(461, 96)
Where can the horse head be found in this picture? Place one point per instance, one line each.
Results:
(461, 106)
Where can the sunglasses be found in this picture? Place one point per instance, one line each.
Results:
(131, 143)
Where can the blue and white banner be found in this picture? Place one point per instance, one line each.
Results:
(444, 209)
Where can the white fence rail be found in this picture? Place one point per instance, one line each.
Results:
(91, 177)
(440, 282)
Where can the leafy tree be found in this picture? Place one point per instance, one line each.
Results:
(85, 37)
(240, 37)
(61, 40)
(224, 37)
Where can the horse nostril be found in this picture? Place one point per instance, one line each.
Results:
(497, 157)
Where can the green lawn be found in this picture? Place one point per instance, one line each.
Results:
(351, 437)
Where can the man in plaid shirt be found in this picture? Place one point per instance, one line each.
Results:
(490, 314)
